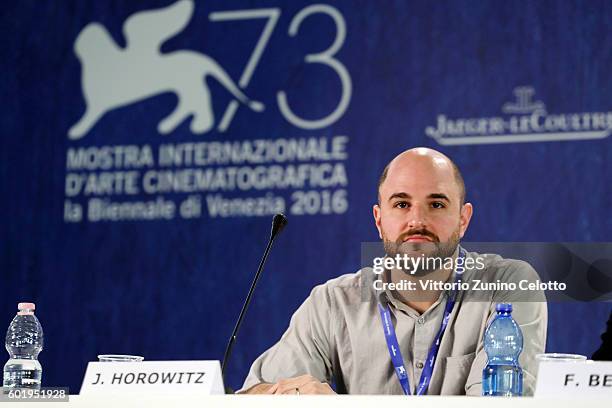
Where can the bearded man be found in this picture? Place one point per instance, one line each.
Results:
(337, 339)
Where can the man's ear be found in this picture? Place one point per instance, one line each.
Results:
(376, 213)
(466, 215)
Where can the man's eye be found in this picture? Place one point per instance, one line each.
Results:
(401, 204)
(438, 204)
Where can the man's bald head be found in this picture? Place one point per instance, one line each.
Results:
(423, 154)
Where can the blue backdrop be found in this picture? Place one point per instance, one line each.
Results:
(517, 93)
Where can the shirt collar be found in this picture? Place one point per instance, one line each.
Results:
(386, 296)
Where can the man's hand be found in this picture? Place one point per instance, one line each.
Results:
(305, 384)
(261, 388)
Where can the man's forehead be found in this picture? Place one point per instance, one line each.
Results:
(420, 176)
(413, 186)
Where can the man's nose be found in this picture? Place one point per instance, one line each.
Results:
(417, 217)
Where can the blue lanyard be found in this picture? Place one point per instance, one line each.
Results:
(394, 349)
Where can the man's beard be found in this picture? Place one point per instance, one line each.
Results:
(433, 254)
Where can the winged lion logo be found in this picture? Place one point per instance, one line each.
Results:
(113, 77)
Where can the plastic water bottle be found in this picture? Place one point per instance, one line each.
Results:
(24, 340)
(503, 343)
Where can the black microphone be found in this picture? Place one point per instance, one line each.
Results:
(278, 223)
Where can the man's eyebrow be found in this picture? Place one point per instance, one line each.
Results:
(400, 195)
(440, 196)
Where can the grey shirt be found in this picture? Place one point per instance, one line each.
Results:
(336, 334)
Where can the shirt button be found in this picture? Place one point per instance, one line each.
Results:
(421, 320)
(419, 365)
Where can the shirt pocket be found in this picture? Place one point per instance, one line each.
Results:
(456, 373)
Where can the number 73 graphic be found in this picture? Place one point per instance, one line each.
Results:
(326, 58)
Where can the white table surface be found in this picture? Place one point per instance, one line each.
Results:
(311, 401)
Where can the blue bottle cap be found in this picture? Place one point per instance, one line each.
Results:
(504, 307)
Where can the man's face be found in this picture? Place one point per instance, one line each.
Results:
(420, 212)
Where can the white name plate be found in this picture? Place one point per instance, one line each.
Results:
(574, 379)
(153, 377)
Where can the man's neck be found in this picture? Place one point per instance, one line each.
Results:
(420, 299)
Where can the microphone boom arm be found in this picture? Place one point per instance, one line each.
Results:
(278, 224)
